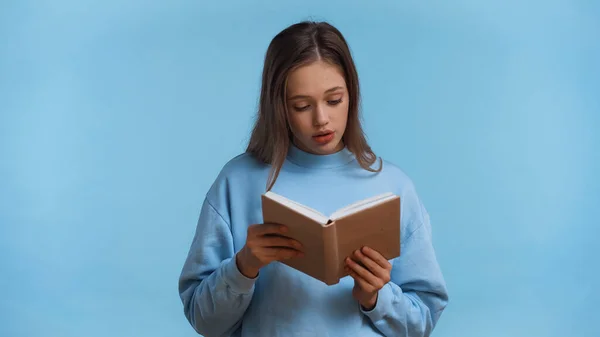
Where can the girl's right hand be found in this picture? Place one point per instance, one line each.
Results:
(266, 243)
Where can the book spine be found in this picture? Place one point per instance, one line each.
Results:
(330, 246)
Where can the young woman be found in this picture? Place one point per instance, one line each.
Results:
(308, 145)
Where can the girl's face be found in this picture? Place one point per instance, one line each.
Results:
(317, 103)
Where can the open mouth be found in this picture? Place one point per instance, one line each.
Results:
(323, 133)
(324, 137)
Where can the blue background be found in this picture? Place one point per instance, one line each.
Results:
(116, 117)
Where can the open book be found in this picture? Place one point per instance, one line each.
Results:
(328, 240)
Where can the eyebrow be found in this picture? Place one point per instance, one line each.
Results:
(326, 91)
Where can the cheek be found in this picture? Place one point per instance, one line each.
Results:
(340, 113)
(300, 123)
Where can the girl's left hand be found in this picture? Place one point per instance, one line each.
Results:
(370, 271)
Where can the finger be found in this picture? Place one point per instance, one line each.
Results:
(362, 272)
(280, 241)
(377, 257)
(266, 229)
(282, 253)
(362, 283)
(371, 265)
(267, 255)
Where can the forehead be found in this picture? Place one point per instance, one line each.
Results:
(314, 79)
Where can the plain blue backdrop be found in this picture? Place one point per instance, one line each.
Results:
(116, 116)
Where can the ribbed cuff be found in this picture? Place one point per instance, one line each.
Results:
(383, 305)
(237, 281)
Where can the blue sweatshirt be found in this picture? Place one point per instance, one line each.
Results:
(220, 301)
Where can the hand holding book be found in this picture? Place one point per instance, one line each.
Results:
(370, 271)
(266, 243)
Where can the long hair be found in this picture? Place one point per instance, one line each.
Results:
(295, 46)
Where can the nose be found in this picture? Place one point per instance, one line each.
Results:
(320, 116)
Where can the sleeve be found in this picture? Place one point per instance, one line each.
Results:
(411, 304)
(214, 293)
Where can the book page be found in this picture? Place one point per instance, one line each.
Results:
(298, 207)
(362, 204)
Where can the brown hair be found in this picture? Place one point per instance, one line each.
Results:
(297, 45)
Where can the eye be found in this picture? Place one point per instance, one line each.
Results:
(302, 108)
(335, 102)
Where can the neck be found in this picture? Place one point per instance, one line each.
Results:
(323, 161)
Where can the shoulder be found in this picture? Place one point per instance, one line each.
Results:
(413, 211)
(385, 172)
(395, 177)
(395, 173)
(240, 175)
(242, 164)
(239, 169)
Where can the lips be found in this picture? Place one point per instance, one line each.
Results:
(323, 133)
(324, 137)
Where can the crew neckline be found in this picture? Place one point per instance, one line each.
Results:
(320, 161)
